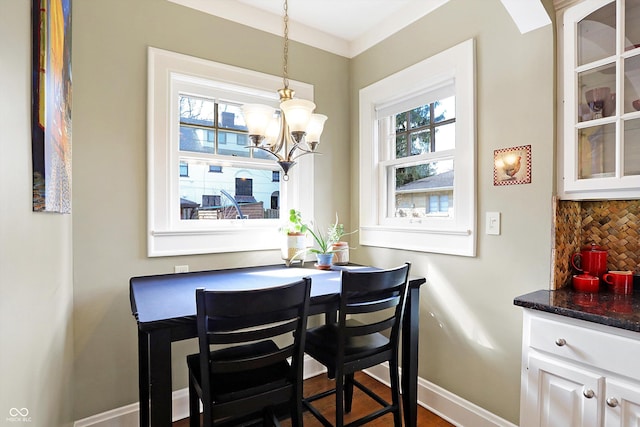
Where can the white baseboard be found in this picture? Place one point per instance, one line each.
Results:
(446, 405)
(127, 416)
(436, 399)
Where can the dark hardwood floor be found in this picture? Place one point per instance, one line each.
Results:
(362, 404)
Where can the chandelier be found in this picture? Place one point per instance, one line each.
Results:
(292, 133)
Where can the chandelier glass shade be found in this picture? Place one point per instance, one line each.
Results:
(293, 131)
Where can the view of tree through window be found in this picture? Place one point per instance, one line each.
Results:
(419, 183)
(217, 177)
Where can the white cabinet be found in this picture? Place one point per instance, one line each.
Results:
(599, 109)
(561, 388)
(578, 374)
(623, 404)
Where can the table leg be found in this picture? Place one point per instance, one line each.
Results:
(160, 377)
(143, 377)
(410, 357)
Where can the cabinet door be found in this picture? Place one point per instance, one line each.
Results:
(622, 408)
(601, 100)
(561, 395)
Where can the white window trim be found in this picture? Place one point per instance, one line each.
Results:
(167, 235)
(457, 236)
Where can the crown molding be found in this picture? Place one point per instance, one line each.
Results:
(564, 4)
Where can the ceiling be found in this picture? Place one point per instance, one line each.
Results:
(347, 27)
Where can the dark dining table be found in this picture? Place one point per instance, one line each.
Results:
(165, 310)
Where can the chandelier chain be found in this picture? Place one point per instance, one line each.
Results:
(285, 59)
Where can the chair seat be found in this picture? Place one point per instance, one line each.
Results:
(233, 386)
(323, 341)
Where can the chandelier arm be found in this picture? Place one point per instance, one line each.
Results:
(282, 137)
(278, 147)
(304, 153)
(266, 150)
(297, 147)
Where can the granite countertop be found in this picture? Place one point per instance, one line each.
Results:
(604, 307)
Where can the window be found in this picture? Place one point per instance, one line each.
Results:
(244, 187)
(429, 128)
(184, 169)
(439, 204)
(196, 127)
(418, 152)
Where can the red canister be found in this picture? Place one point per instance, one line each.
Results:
(593, 260)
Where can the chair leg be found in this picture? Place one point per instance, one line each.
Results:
(296, 411)
(395, 392)
(339, 399)
(348, 392)
(194, 405)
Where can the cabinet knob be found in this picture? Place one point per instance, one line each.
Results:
(560, 342)
(612, 401)
(588, 393)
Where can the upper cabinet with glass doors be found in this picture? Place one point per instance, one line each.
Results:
(600, 154)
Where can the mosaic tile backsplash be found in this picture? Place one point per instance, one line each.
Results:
(612, 224)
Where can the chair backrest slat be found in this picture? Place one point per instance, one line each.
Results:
(369, 328)
(248, 363)
(230, 337)
(371, 306)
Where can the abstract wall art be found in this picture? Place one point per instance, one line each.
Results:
(51, 105)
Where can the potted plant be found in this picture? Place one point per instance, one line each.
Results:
(324, 252)
(340, 248)
(296, 235)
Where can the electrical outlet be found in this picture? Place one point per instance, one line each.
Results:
(180, 268)
(493, 223)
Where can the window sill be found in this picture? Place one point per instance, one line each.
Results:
(443, 241)
(192, 242)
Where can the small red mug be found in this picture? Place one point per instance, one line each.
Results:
(621, 281)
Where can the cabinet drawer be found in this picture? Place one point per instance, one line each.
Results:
(581, 344)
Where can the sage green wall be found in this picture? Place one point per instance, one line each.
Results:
(470, 333)
(110, 42)
(36, 333)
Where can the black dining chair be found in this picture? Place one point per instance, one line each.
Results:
(248, 373)
(366, 334)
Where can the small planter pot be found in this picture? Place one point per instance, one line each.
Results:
(295, 245)
(324, 261)
(340, 253)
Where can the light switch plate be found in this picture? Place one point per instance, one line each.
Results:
(493, 223)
